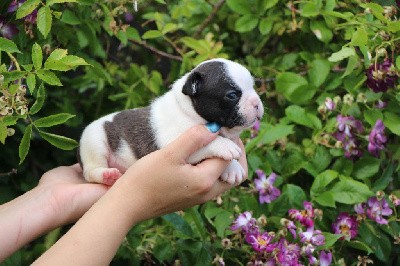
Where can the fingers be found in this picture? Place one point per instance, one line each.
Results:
(191, 141)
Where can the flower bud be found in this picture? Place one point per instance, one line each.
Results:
(262, 220)
(10, 132)
(361, 98)
(380, 194)
(226, 243)
(348, 99)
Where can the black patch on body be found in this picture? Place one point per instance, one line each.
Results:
(214, 95)
(134, 127)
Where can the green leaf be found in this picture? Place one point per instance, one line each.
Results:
(392, 122)
(387, 177)
(325, 199)
(239, 6)
(3, 132)
(310, 10)
(349, 191)
(292, 85)
(360, 37)
(58, 141)
(69, 17)
(394, 26)
(132, 34)
(65, 63)
(57, 54)
(299, 116)
(351, 64)
(292, 197)
(25, 143)
(360, 246)
(179, 224)
(377, 10)
(319, 71)
(31, 82)
(322, 181)
(274, 133)
(152, 34)
(366, 167)
(246, 23)
(37, 56)
(13, 75)
(26, 8)
(40, 97)
(44, 20)
(52, 120)
(52, 2)
(265, 26)
(8, 46)
(48, 77)
(330, 240)
(345, 52)
(321, 31)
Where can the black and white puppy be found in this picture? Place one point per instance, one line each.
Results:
(217, 90)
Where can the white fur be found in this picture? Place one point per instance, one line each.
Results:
(170, 116)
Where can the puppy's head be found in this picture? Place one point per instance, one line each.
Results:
(222, 91)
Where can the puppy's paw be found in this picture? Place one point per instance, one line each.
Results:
(234, 173)
(110, 175)
(227, 150)
(103, 175)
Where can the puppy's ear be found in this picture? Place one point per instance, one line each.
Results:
(193, 84)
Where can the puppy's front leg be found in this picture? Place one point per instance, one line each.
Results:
(220, 147)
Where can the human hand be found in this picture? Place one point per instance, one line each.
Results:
(69, 195)
(163, 181)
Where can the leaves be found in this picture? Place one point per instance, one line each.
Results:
(52, 120)
(27, 8)
(37, 56)
(8, 46)
(25, 143)
(349, 191)
(48, 77)
(58, 141)
(44, 20)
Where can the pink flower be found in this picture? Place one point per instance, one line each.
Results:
(330, 104)
(288, 254)
(381, 76)
(377, 209)
(261, 242)
(377, 139)
(346, 225)
(265, 187)
(246, 223)
(313, 237)
(325, 258)
(306, 216)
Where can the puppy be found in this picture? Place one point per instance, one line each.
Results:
(217, 90)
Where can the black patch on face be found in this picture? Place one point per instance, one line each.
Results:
(214, 95)
(134, 127)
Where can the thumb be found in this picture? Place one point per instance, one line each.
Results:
(190, 141)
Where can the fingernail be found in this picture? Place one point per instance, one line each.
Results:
(213, 127)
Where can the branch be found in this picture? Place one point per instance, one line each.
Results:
(12, 172)
(158, 52)
(210, 17)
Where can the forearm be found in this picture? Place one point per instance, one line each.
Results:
(96, 237)
(24, 219)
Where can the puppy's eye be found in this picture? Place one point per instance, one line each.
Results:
(232, 95)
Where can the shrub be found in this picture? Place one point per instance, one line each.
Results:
(323, 161)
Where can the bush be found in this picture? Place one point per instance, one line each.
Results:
(323, 163)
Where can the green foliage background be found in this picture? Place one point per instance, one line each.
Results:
(83, 59)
